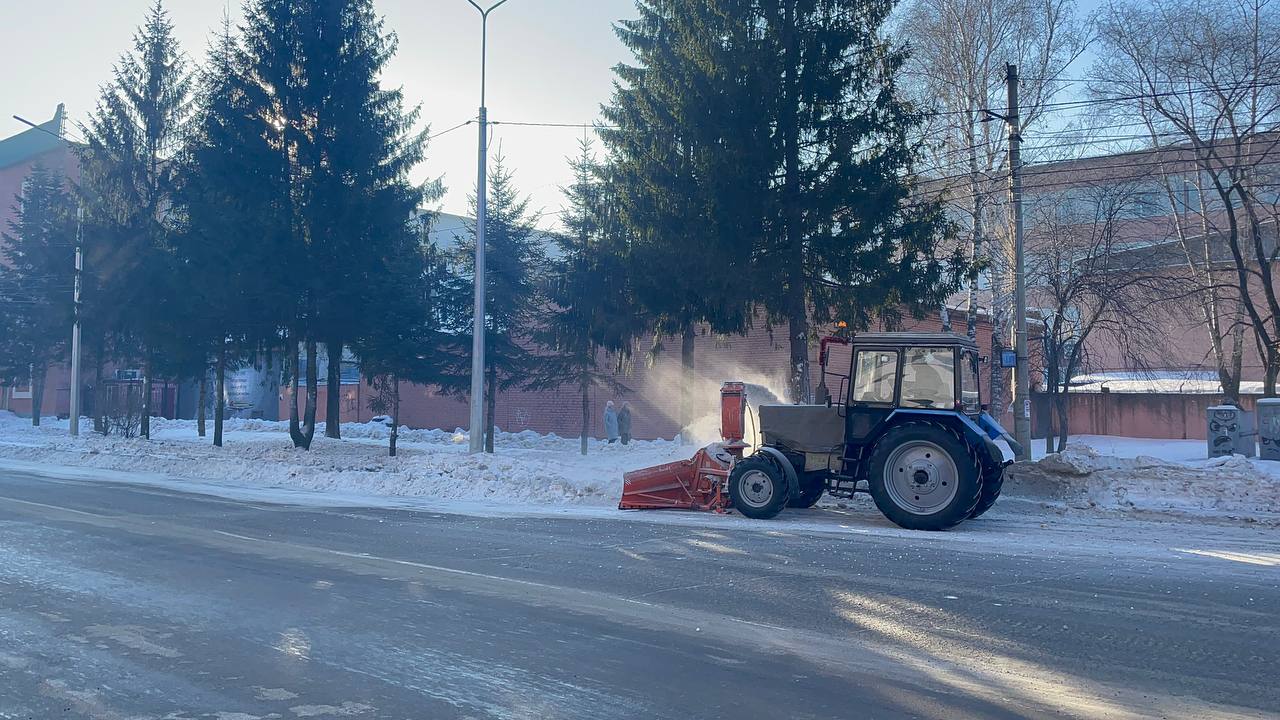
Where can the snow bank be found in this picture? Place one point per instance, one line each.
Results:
(1098, 472)
(1095, 473)
(528, 468)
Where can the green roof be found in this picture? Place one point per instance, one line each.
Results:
(32, 142)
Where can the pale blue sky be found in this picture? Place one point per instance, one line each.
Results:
(549, 60)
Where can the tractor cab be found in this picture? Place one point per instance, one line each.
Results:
(905, 424)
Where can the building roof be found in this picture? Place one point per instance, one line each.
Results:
(31, 143)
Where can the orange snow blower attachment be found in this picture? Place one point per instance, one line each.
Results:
(698, 483)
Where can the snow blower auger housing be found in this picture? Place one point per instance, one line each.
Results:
(905, 425)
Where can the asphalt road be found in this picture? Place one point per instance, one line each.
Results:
(128, 602)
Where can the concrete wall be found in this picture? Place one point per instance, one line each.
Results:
(1172, 416)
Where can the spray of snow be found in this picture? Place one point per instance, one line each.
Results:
(704, 397)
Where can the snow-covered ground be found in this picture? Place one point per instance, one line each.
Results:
(546, 473)
(530, 468)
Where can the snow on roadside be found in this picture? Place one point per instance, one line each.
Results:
(1096, 473)
(1115, 473)
(530, 468)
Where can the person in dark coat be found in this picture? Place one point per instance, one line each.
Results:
(624, 422)
(610, 422)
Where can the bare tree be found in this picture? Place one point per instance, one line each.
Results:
(1202, 79)
(959, 49)
(1094, 286)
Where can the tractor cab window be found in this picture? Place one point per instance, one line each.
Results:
(929, 378)
(875, 373)
(970, 397)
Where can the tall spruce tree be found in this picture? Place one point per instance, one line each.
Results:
(347, 148)
(591, 311)
(36, 286)
(686, 132)
(846, 239)
(414, 338)
(139, 126)
(234, 225)
(515, 268)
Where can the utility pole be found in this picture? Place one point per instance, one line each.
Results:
(1021, 379)
(478, 325)
(75, 329)
(74, 426)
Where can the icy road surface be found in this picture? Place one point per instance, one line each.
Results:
(122, 601)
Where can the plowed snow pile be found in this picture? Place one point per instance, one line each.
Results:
(1084, 477)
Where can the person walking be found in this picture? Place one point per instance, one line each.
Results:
(624, 423)
(610, 422)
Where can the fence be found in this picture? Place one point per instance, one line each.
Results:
(1179, 416)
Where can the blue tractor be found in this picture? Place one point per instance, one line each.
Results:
(905, 424)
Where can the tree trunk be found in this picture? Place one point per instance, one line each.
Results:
(333, 395)
(395, 413)
(313, 383)
(202, 402)
(490, 406)
(971, 317)
(1063, 408)
(585, 387)
(146, 396)
(801, 388)
(291, 368)
(1271, 374)
(99, 390)
(38, 373)
(687, 339)
(220, 403)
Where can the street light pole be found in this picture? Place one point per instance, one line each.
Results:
(74, 425)
(477, 426)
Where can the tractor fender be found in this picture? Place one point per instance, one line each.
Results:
(793, 481)
(978, 436)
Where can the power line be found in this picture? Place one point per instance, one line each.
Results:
(459, 126)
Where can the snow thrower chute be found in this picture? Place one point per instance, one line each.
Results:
(698, 483)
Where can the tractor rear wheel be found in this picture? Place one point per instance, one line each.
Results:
(992, 483)
(923, 477)
(757, 487)
(812, 485)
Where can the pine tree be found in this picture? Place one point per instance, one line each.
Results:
(682, 141)
(36, 287)
(234, 226)
(591, 311)
(414, 337)
(515, 268)
(347, 147)
(139, 126)
(846, 239)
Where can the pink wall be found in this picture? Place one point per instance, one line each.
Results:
(1144, 415)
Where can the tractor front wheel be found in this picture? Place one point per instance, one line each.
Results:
(757, 487)
(923, 477)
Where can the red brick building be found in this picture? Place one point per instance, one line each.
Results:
(18, 155)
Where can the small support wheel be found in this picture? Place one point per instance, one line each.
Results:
(758, 487)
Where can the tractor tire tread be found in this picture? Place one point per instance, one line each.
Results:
(967, 497)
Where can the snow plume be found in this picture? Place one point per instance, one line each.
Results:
(704, 397)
